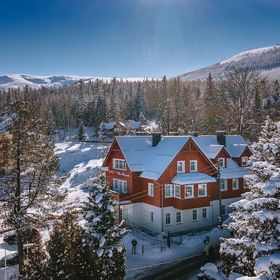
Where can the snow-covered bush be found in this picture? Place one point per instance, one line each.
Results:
(254, 248)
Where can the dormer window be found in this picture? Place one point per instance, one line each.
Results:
(193, 165)
(119, 164)
(222, 162)
(244, 161)
(180, 166)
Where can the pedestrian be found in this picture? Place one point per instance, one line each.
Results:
(134, 244)
(207, 251)
(168, 240)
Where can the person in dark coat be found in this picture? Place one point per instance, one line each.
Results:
(134, 244)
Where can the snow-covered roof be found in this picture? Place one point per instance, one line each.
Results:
(140, 155)
(235, 145)
(107, 125)
(233, 170)
(133, 125)
(192, 178)
(5, 121)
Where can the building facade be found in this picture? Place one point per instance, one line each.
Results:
(169, 183)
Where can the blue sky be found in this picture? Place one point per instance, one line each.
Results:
(130, 38)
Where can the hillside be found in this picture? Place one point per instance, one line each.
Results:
(266, 61)
(21, 80)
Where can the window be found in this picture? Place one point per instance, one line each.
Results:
(235, 184)
(119, 186)
(177, 193)
(150, 189)
(152, 216)
(189, 191)
(168, 191)
(167, 218)
(178, 217)
(119, 164)
(180, 166)
(202, 190)
(204, 213)
(223, 186)
(222, 162)
(194, 215)
(244, 161)
(193, 165)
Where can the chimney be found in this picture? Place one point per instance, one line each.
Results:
(221, 137)
(156, 138)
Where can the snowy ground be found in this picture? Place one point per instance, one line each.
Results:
(79, 163)
(156, 253)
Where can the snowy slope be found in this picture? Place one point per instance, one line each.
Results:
(21, 80)
(266, 61)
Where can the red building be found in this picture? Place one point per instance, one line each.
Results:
(169, 183)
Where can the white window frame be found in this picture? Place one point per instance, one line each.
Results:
(116, 164)
(196, 214)
(195, 165)
(178, 212)
(119, 186)
(176, 188)
(202, 186)
(246, 161)
(235, 186)
(189, 186)
(183, 166)
(151, 189)
(206, 212)
(225, 185)
(169, 215)
(222, 162)
(170, 188)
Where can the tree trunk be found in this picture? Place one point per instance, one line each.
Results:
(20, 253)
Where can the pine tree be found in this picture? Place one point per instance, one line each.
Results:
(82, 132)
(30, 188)
(165, 108)
(105, 234)
(255, 247)
(35, 268)
(69, 254)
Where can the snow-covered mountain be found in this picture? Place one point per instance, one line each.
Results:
(266, 61)
(21, 80)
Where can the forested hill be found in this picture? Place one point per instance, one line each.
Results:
(234, 104)
(266, 61)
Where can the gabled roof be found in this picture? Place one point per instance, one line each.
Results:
(141, 156)
(235, 145)
(233, 170)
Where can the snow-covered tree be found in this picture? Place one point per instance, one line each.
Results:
(69, 254)
(104, 232)
(82, 132)
(35, 262)
(30, 187)
(254, 249)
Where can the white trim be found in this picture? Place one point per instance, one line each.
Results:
(169, 218)
(170, 186)
(180, 217)
(222, 162)
(151, 189)
(202, 186)
(236, 180)
(176, 187)
(191, 186)
(195, 165)
(119, 186)
(196, 215)
(206, 211)
(183, 166)
(225, 185)
(116, 162)
(246, 161)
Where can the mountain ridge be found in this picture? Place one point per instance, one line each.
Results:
(264, 60)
